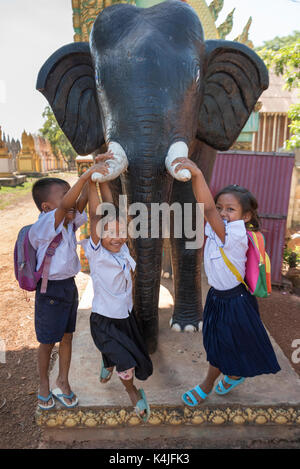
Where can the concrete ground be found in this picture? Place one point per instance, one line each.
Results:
(179, 364)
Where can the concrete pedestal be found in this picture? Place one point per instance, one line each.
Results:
(271, 402)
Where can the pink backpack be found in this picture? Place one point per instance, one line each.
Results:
(258, 267)
(25, 261)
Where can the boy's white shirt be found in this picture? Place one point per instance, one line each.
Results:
(235, 247)
(65, 262)
(111, 278)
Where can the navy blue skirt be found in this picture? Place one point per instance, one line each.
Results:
(234, 336)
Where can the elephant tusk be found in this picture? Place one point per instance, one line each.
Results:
(116, 166)
(176, 150)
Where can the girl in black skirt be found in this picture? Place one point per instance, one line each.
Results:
(234, 337)
(113, 324)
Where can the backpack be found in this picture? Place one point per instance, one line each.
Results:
(258, 266)
(25, 261)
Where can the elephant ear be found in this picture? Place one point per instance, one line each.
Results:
(234, 78)
(67, 80)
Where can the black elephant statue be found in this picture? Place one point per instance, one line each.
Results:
(149, 87)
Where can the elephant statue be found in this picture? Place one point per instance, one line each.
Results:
(149, 87)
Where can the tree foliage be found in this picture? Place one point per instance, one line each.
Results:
(283, 56)
(56, 137)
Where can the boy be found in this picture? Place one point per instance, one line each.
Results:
(61, 210)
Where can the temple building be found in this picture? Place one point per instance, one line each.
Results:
(8, 174)
(273, 128)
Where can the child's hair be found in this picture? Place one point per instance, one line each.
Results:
(111, 213)
(247, 201)
(41, 189)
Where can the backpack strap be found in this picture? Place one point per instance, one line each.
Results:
(232, 268)
(47, 260)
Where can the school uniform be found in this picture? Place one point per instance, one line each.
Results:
(56, 310)
(113, 323)
(234, 336)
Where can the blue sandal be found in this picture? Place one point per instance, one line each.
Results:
(105, 373)
(46, 399)
(189, 394)
(221, 390)
(60, 396)
(142, 405)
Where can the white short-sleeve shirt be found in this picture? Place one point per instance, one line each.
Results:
(111, 276)
(235, 247)
(65, 262)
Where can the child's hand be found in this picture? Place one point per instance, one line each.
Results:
(101, 167)
(186, 163)
(104, 156)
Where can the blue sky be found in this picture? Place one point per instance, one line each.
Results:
(30, 30)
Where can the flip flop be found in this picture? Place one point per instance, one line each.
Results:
(60, 396)
(221, 390)
(105, 373)
(46, 399)
(189, 394)
(141, 405)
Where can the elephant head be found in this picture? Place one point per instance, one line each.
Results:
(148, 85)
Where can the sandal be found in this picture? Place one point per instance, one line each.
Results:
(105, 374)
(141, 405)
(221, 390)
(46, 399)
(189, 394)
(60, 396)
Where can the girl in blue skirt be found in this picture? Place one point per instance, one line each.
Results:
(235, 340)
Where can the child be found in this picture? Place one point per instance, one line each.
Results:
(234, 337)
(113, 324)
(61, 210)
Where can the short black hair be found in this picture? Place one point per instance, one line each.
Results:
(247, 201)
(41, 190)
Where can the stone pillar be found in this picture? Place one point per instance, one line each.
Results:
(28, 160)
(6, 168)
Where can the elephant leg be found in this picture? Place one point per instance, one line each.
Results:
(187, 263)
(146, 288)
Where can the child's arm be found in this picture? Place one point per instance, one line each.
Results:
(94, 202)
(70, 198)
(83, 198)
(203, 195)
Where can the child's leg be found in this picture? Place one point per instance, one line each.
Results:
(208, 383)
(65, 352)
(44, 354)
(126, 378)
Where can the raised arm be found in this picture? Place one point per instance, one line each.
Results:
(70, 198)
(203, 195)
(83, 198)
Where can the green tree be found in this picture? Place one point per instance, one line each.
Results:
(56, 137)
(283, 56)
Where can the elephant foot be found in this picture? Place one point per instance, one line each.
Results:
(185, 325)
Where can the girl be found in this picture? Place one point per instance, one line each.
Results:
(113, 324)
(234, 338)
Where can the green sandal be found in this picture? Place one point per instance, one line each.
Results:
(105, 374)
(141, 405)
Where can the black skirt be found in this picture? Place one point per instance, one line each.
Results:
(234, 336)
(121, 344)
